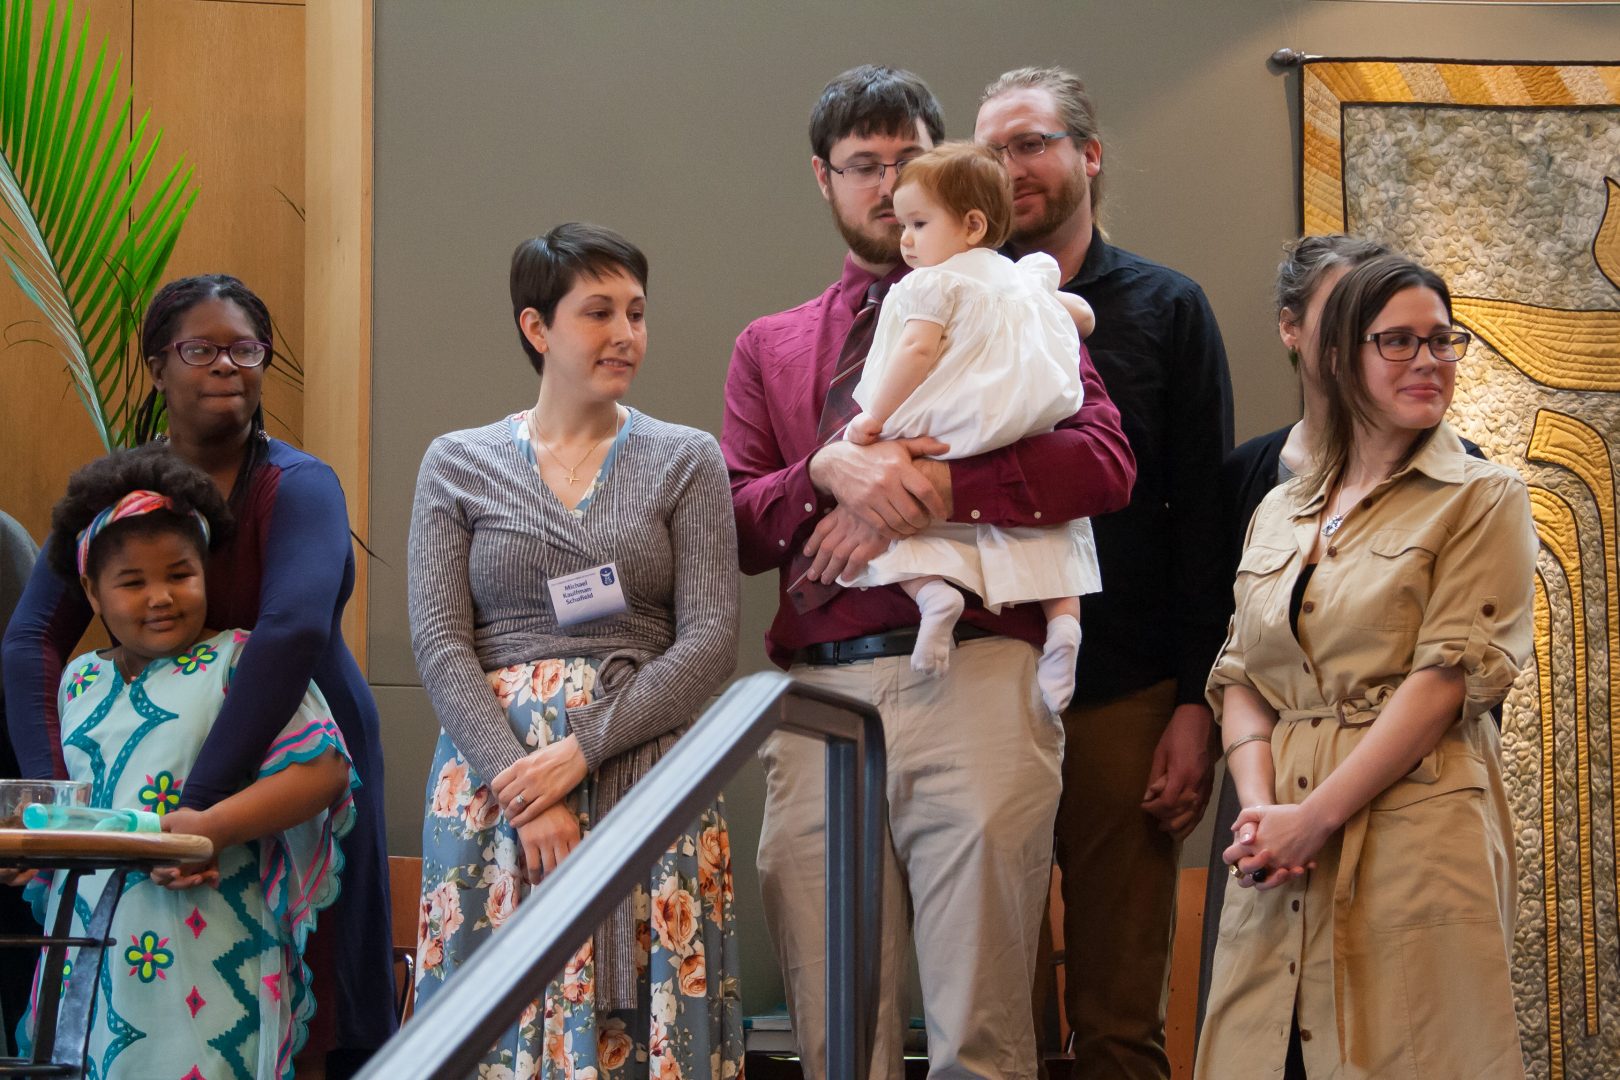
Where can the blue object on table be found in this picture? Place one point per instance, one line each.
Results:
(61, 816)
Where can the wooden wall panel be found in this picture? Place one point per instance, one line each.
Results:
(338, 265)
(45, 432)
(226, 81)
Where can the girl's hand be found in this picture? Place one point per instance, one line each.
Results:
(539, 780)
(178, 878)
(547, 839)
(188, 823)
(18, 878)
(863, 430)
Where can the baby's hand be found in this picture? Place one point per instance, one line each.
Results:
(863, 430)
(19, 878)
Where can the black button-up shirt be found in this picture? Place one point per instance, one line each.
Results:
(1166, 590)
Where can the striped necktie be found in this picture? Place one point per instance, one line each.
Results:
(840, 408)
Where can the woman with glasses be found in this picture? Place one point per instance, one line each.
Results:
(1311, 266)
(286, 575)
(1383, 608)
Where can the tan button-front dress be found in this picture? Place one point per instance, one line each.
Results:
(1394, 950)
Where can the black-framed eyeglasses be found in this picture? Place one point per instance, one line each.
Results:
(1401, 346)
(1031, 144)
(867, 174)
(200, 352)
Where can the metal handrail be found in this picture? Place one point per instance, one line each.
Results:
(448, 1036)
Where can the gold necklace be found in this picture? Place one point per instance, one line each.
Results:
(573, 473)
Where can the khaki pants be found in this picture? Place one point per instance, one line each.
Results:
(974, 761)
(1119, 888)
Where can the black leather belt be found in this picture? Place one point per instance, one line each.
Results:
(872, 646)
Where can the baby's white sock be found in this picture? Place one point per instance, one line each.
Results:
(1055, 674)
(941, 605)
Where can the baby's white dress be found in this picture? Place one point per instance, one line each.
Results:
(1010, 368)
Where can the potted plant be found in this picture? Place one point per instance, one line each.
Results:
(78, 232)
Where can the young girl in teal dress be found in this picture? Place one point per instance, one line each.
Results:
(206, 980)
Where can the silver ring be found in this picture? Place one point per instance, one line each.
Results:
(518, 800)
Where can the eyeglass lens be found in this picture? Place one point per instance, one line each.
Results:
(1027, 146)
(868, 174)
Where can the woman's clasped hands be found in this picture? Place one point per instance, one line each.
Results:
(533, 791)
(1275, 843)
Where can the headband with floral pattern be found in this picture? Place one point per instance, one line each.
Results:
(134, 504)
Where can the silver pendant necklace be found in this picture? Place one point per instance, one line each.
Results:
(1335, 521)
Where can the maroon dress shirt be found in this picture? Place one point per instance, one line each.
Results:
(778, 379)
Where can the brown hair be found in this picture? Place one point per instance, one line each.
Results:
(1355, 302)
(963, 176)
(1307, 260)
(1074, 107)
(873, 99)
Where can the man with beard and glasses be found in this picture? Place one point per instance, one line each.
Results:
(973, 757)
(1137, 773)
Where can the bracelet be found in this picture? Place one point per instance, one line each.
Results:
(1245, 739)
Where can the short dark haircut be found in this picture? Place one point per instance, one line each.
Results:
(1351, 307)
(104, 481)
(873, 100)
(546, 267)
(963, 176)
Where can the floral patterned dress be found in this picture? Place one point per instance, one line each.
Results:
(205, 983)
(687, 1022)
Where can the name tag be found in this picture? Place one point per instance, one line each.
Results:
(587, 595)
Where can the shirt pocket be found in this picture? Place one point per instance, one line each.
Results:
(1451, 766)
(1427, 857)
(1259, 571)
(1393, 590)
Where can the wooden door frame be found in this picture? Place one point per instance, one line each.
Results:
(338, 51)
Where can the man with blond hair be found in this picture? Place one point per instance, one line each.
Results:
(1136, 768)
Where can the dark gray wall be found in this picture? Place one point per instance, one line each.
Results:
(683, 125)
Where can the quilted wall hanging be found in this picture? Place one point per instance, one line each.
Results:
(1505, 178)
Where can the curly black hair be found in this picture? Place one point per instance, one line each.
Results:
(104, 481)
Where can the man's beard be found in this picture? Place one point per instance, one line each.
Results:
(878, 251)
(1060, 207)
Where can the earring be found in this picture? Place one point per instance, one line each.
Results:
(1293, 359)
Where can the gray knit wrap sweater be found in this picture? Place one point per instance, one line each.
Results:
(486, 535)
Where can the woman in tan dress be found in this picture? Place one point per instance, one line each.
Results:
(1383, 608)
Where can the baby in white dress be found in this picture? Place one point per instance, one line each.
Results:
(978, 352)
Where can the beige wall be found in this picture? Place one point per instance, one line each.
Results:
(683, 125)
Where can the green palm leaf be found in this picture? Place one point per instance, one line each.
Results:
(79, 238)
